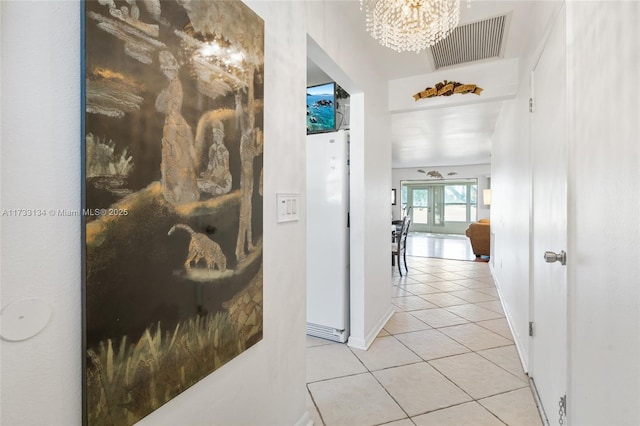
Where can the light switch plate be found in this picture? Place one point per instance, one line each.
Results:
(288, 207)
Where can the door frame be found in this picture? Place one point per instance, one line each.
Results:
(444, 227)
(535, 256)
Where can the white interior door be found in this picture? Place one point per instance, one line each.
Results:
(549, 151)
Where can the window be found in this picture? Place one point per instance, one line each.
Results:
(455, 203)
(460, 202)
(441, 206)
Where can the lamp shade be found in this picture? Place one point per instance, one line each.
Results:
(486, 197)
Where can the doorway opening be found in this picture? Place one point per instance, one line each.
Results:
(442, 207)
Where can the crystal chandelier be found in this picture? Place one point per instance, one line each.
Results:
(410, 25)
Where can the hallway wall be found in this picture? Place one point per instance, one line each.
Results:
(604, 245)
(603, 206)
(370, 167)
(41, 256)
(511, 189)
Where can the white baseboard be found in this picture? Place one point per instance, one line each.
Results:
(305, 420)
(509, 317)
(364, 344)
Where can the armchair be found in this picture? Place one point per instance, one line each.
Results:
(480, 235)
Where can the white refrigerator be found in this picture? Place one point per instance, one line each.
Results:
(328, 235)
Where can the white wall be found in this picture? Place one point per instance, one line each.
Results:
(603, 41)
(40, 154)
(482, 172)
(40, 157)
(604, 207)
(41, 256)
(511, 189)
(370, 172)
(510, 213)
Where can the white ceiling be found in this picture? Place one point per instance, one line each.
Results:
(448, 135)
(452, 136)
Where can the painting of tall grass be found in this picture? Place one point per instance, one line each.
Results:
(173, 151)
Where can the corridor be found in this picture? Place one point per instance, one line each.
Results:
(446, 357)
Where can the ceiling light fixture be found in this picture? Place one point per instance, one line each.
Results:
(410, 25)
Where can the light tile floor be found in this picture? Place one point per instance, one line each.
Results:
(446, 357)
(444, 246)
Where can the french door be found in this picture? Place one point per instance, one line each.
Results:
(441, 207)
(426, 210)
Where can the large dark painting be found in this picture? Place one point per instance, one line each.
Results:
(172, 196)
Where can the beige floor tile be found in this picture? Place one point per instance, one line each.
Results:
(507, 358)
(386, 352)
(420, 289)
(473, 313)
(456, 267)
(329, 361)
(417, 260)
(449, 276)
(431, 267)
(404, 322)
(470, 413)
(474, 283)
(476, 273)
(412, 303)
(473, 296)
(431, 344)
(514, 408)
(313, 411)
(338, 378)
(383, 333)
(499, 326)
(427, 278)
(444, 299)
(418, 268)
(316, 341)
(419, 388)
(477, 376)
(354, 400)
(490, 291)
(439, 317)
(401, 281)
(494, 306)
(399, 292)
(475, 337)
(448, 286)
(403, 422)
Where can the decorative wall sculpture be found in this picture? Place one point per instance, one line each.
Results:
(447, 88)
(172, 196)
(436, 174)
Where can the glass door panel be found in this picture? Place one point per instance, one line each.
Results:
(420, 198)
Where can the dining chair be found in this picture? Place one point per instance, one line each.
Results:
(399, 248)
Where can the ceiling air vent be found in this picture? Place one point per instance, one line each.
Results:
(471, 42)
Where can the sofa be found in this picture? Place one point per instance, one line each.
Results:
(480, 235)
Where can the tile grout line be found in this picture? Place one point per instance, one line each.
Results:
(381, 385)
(400, 309)
(315, 405)
(512, 343)
(438, 371)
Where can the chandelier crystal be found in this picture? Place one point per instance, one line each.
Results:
(410, 25)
